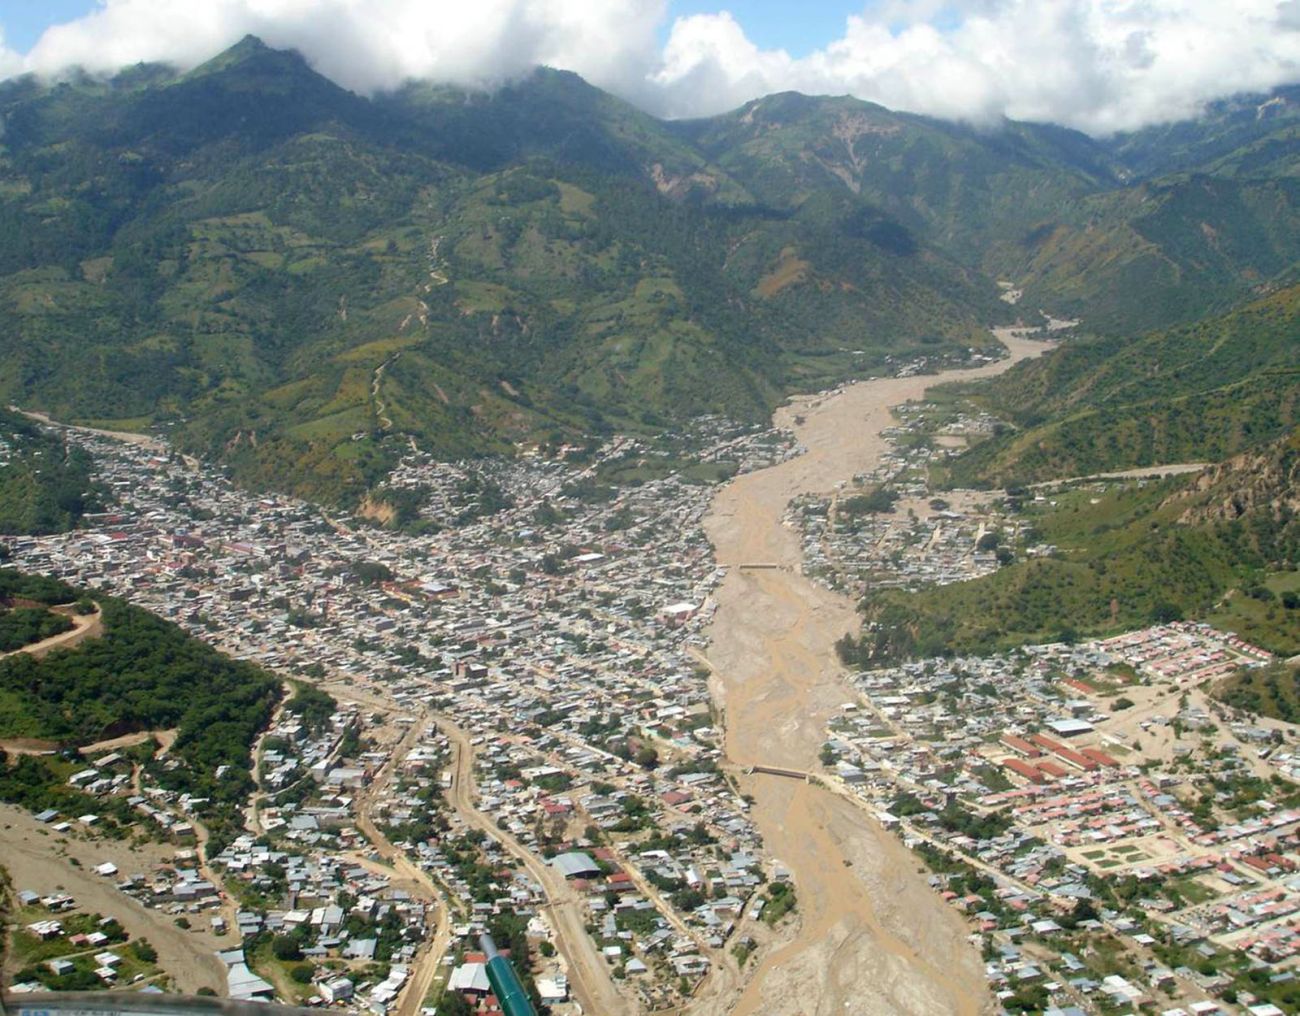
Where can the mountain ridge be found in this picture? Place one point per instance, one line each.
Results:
(232, 254)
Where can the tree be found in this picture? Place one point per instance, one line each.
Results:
(879, 501)
(647, 757)
(285, 948)
(1165, 612)
(452, 1004)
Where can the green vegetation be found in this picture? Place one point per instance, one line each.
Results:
(18, 586)
(45, 486)
(33, 954)
(1265, 613)
(1268, 691)
(1120, 232)
(1135, 555)
(312, 706)
(876, 502)
(954, 817)
(288, 276)
(292, 278)
(25, 625)
(1197, 393)
(38, 782)
(143, 673)
(781, 900)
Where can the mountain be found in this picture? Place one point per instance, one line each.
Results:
(298, 280)
(1242, 135)
(1197, 392)
(288, 276)
(1105, 231)
(966, 189)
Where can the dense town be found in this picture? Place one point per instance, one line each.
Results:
(524, 739)
(516, 737)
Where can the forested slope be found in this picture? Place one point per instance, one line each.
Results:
(45, 484)
(286, 275)
(143, 673)
(1196, 393)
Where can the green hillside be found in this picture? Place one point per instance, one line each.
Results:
(1195, 393)
(975, 193)
(142, 674)
(232, 255)
(1044, 207)
(294, 279)
(1184, 547)
(45, 485)
(1269, 691)
(1247, 134)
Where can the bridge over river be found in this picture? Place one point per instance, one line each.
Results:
(872, 937)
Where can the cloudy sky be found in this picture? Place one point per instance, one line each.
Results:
(1099, 65)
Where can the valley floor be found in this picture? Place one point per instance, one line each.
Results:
(870, 919)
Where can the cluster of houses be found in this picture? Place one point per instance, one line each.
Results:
(919, 541)
(527, 596)
(346, 917)
(1186, 652)
(1034, 771)
(76, 959)
(556, 619)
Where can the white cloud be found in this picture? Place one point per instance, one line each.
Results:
(1099, 65)
(370, 45)
(11, 63)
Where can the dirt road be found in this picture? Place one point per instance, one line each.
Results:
(39, 859)
(84, 626)
(1140, 473)
(426, 966)
(153, 444)
(588, 972)
(873, 937)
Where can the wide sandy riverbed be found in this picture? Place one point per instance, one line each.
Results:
(872, 936)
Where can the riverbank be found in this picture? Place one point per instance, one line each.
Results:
(872, 936)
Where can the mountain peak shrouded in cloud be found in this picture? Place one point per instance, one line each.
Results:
(1097, 65)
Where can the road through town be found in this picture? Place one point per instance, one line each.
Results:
(872, 937)
(587, 970)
